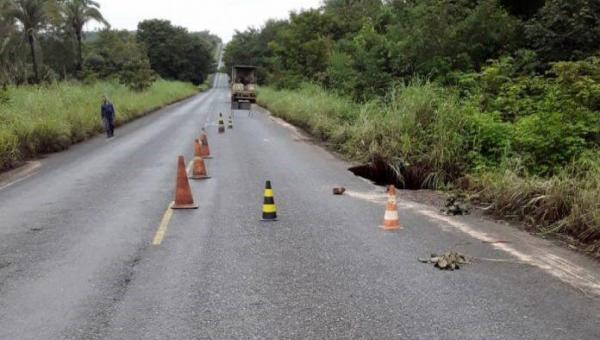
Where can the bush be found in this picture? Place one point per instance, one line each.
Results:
(137, 75)
(553, 120)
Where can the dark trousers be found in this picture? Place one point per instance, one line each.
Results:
(109, 126)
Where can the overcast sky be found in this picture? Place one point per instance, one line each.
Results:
(221, 17)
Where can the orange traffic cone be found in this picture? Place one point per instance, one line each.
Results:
(199, 169)
(204, 138)
(391, 220)
(183, 192)
(204, 150)
(197, 149)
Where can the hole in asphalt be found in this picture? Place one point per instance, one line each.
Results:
(380, 173)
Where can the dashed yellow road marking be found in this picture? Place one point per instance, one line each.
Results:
(162, 228)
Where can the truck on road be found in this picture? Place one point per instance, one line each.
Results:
(243, 86)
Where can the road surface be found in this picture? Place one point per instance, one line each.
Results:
(77, 260)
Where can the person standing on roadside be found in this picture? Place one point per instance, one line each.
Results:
(108, 117)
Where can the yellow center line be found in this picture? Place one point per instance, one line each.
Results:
(162, 228)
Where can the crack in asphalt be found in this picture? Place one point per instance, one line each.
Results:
(98, 324)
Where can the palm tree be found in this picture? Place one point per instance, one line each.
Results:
(76, 14)
(32, 16)
(7, 29)
(7, 24)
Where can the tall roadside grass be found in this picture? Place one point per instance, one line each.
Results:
(324, 115)
(429, 138)
(416, 130)
(567, 203)
(38, 120)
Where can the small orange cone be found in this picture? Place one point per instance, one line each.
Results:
(391, 220)
(204, 138)
(204, 150)
(197, 149)
(183, 192)
(199, 169)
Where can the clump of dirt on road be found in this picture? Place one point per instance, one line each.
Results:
(448, 261)
(456, 205)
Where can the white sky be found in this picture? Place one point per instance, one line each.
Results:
(219, 17)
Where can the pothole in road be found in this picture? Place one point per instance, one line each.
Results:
(380, 173)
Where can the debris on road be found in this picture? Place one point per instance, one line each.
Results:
(339, 191)
(455, 205)
(448, 261)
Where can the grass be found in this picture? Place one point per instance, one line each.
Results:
(416, 130)
(429, 138)
(38, 120)
(568, 203)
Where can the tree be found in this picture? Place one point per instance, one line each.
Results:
(523, 9)
(566, 30)
(302, 48)
(213, 40)
(137, 74)
(174, 53)
(32, 14)
(251, 48)
(7, 29)
(76, 14)
(117, 54)
(350, 15)
(7, 23)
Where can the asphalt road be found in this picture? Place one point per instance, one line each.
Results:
(76, 259)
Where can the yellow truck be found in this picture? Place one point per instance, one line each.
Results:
(243, 86)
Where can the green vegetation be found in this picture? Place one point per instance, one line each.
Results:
(42, 41)
(499, 98)
(52, 75)
(431, 138)
(46, 119)
(174, 53)
(116, 54)
(207, 85)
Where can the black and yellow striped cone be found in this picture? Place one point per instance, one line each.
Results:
(221, 123)
(269, 207)
(230, 123)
